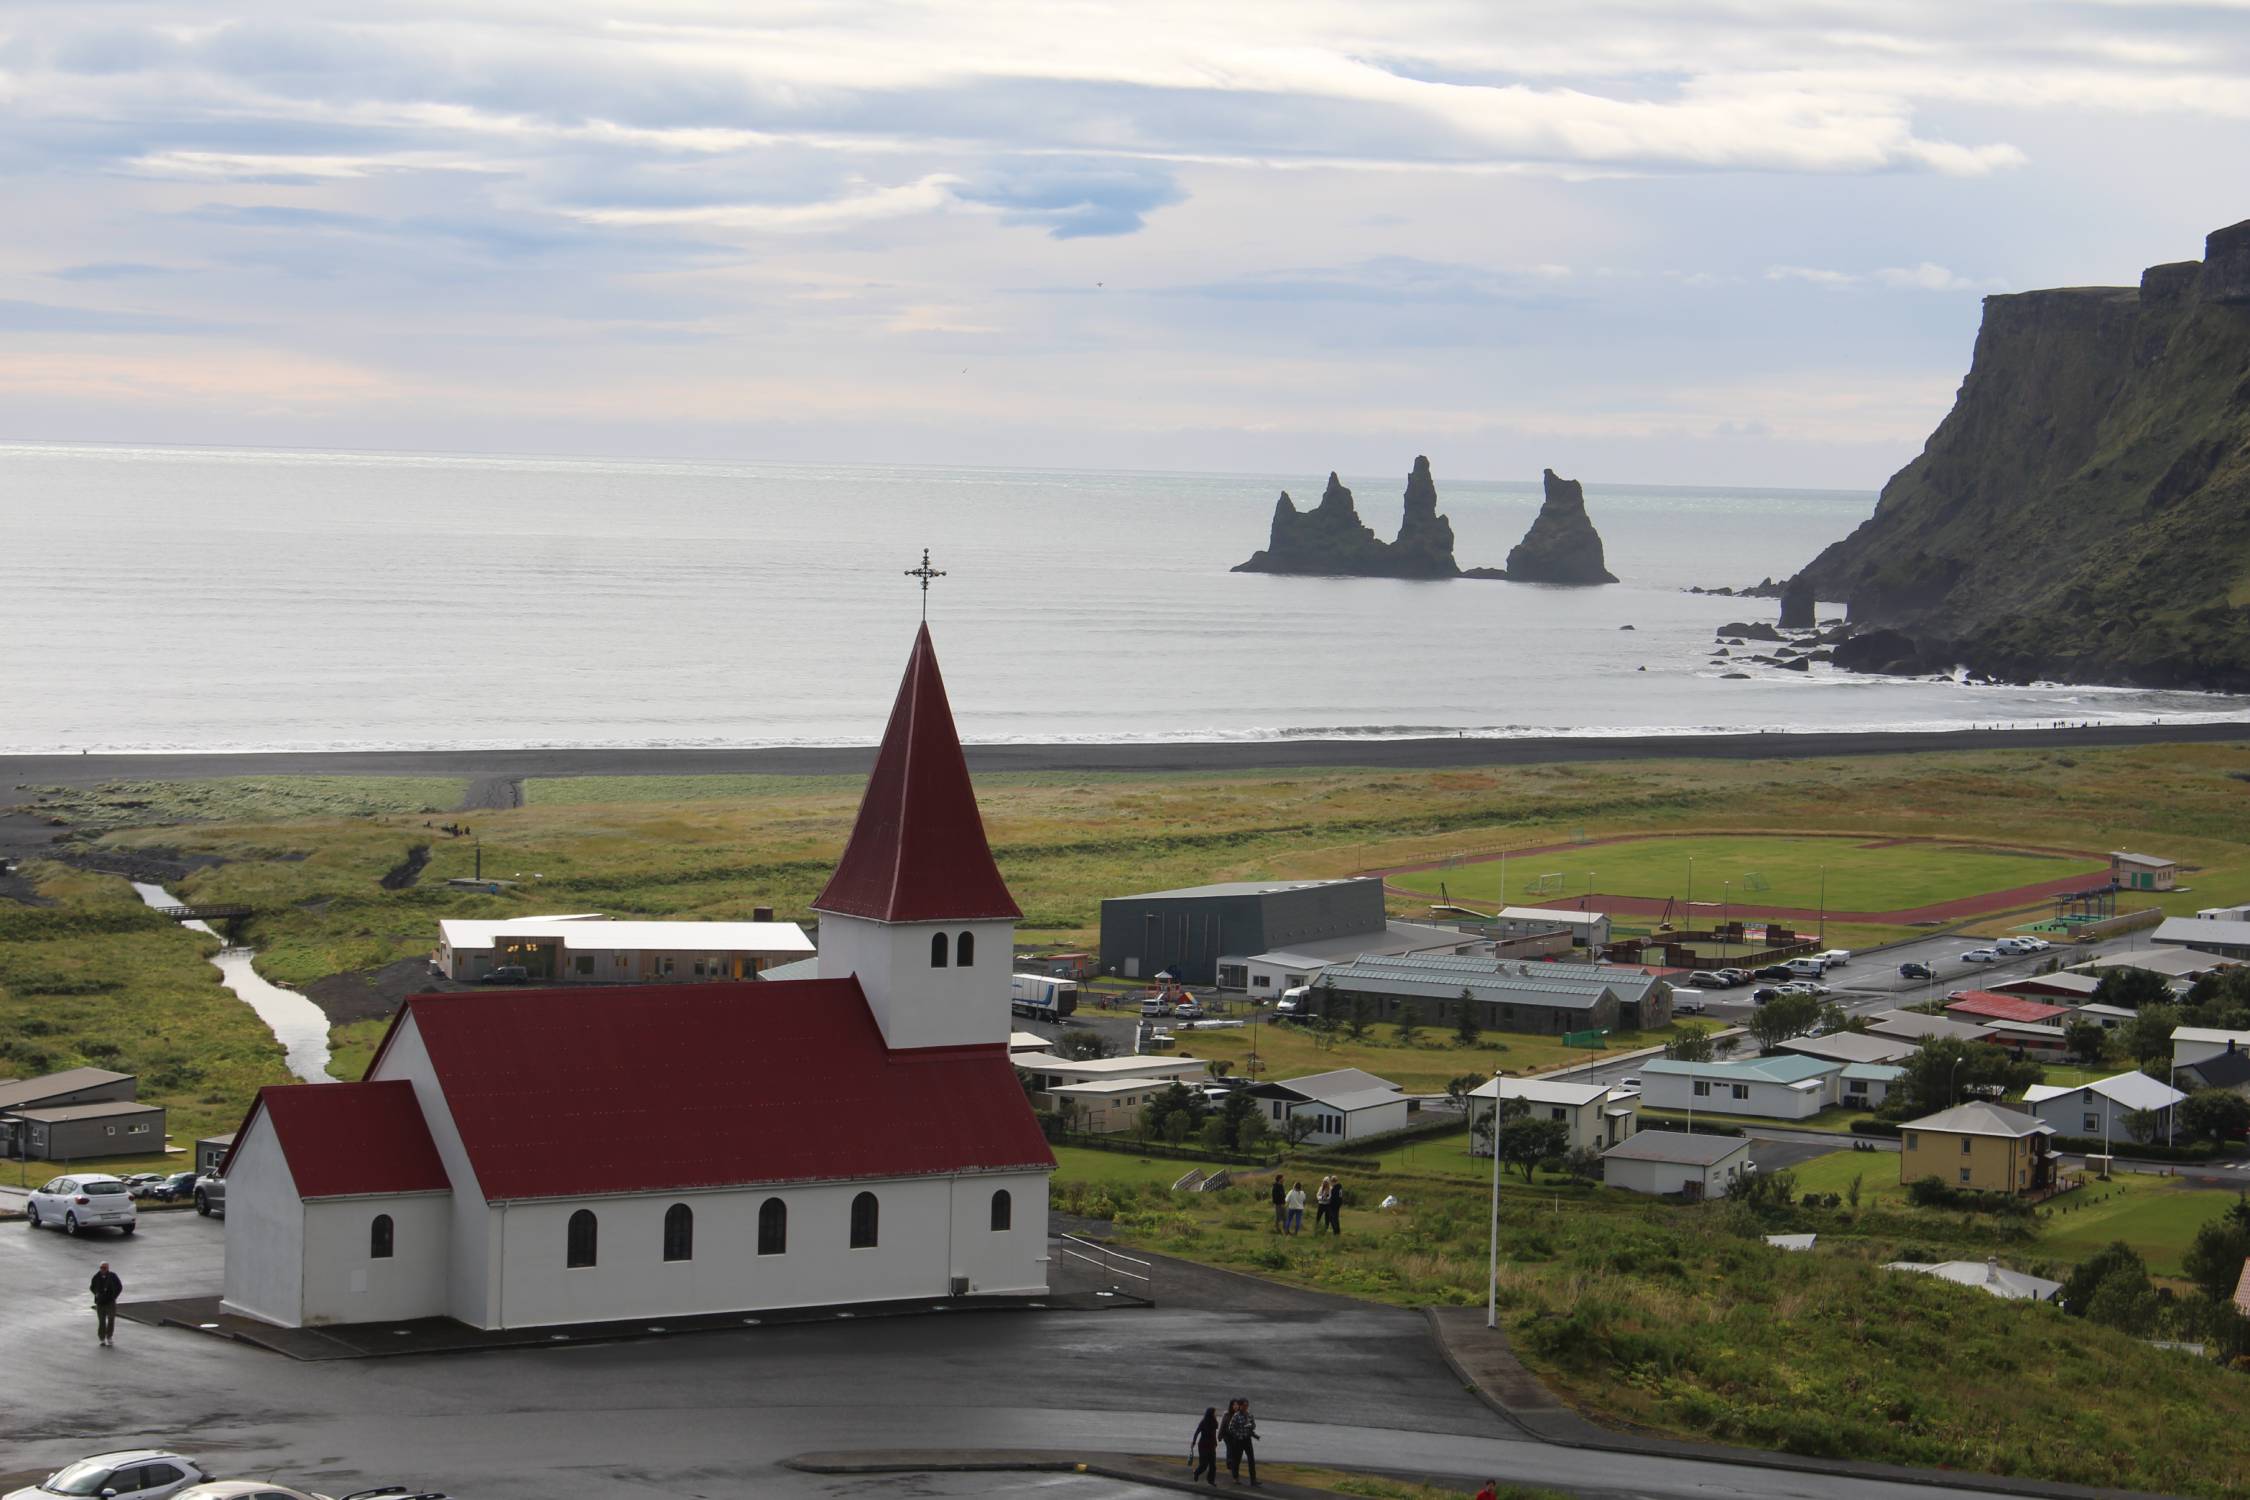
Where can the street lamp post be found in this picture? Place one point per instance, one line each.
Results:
(1952, 1097)
(1725, 888)
(1824, 906)
(1492, 1283)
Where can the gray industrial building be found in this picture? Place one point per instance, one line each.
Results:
(1186, 932)
(1507, 995)
(76, 1114)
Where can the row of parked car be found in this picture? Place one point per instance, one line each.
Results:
(78, 1202)
(159, 1474)
(2007, 947)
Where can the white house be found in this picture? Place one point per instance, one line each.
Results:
(1106, 1105)
(529, 1157)
(1772, 1088)
(1668, 1162)
(2194, 1044)
(1866, 1085)
(1045, 1071)
(592, 949)
(1598, 1115)
(1344, 1104)
(2100, 1108)
(1587, 929)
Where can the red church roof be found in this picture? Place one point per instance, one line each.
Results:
(1994, 1007)
(345, 1138)
(917, 853)
(559, 1093)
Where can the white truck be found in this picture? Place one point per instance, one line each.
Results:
(1038, 995)
(1295, 1004)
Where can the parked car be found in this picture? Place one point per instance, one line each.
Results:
(1687, 1002)
(91, 1202)
(2011, 945)
(1803, 987)
(1805, 968)
(1775, 971)
(211, 1195)
(140, 1184)
(1981, 956)
(1294, 1002)
(1189, 1010)
(1763, 993)
(2035, 944)
(1736, 976)
(1707, 979)
(1623, 1083)
(144, 1473)
(1835, 958)
(506, 974)
(1155, 1008)
(177, 1188)
(1915, 971)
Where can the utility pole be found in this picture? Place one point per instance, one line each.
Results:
(1824, 906)
(1492, 1283)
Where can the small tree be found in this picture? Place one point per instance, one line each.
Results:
(1360, 1017)
(1296, 1128)
(2087, 1041)
(1250, 1134)
(2132, 988)
(1851, 1192)
(1176, 1126)
(1783, 1017)
(2215, 1115)
(2141, 1124)
(1459, 1087)
(1409, 1027)
(1323, 1029)
(2149, 1034)
(1525, 1143)
(2213, 1261)
(1693, 1044)
(1466, 1032)
(1215, 1135)
(1583, 1164)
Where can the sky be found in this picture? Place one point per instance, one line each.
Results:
(1721, 242)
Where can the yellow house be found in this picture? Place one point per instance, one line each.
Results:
(1981, 1147)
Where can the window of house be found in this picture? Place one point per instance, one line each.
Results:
(1913, 1140)
(1557, 1114)
(698, 969)
(1964, 1145)
(965, 950)
(1856, 1086)
(937, 950)
(679, 1232)
(579, 1243)
(140, 1129)
(1742, 1091)
(585, 963)
(109, 1130)
(2093, 1123)
(864, 1222)
(1964, 1174)
(773, 1227)
(379, 1238)
(1702, 1089)
(1003, 1211)
(665, 966)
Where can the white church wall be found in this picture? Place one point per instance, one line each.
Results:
(345, 1282)
(265, 1230)
(631, 1278)
(1014, 1260)
(916, 1004)
(471, 1252)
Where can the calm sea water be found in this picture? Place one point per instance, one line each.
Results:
(227, 600)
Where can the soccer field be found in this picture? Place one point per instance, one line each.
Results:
(1755, 871)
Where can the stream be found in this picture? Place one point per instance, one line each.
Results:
(299, 1025)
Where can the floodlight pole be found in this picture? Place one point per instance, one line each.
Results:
(1824, 906)
(1691, 891)
(1492, 1280)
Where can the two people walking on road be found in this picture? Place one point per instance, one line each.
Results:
(1237, 1431)
(107, 1288)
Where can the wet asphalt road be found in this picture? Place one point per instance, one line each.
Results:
(712, 1415)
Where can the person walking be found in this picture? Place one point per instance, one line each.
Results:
(1280, 1205)
(1296, 1205)
(106, 1289)
(1204, 1448)
(1242, 1440)
(1491, 1490)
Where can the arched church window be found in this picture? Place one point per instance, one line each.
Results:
(379, 1238)
(937, 950)
(965, 950)
(579, 1246)
(679, 1232)
(863, 1222)
(773, 1227)
(1003, 1211)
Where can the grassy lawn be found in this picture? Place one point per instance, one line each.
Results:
(1292, 1051)
(1862, 874)
(1116, 1169)
(1378, 1487)
(1666, 1318)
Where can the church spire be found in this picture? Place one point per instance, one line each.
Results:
(917, 852)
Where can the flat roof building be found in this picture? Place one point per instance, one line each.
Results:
(1505, 995)
(2219, 936)
(592, 949)
(1667, 1162)
(1186, 932)
(1771, 1088)
(81, 1132)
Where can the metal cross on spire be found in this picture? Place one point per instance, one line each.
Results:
(925, 573)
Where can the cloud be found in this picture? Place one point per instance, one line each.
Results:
(1925, 277)
(1075, 201)
(109, 270)
(862, 203)
(18, 316)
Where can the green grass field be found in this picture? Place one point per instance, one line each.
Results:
(1862, 874)
(1424, 1067)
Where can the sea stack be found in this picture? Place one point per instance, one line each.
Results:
(1331, 541)
(1562, 545)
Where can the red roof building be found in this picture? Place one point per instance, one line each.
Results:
(347, 1139)
(917, 852)
(1988, 1006)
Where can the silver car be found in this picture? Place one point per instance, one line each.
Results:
(145, 1473)
(95, 1201)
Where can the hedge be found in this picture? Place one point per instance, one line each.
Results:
(1684, 1128)
(2091, 1145)
(1888, 1129)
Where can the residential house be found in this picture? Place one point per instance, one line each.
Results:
(1978, 1006)
(1597, 1114)
(81, 1113)
(2142, 872)
(1587, 929)
(2023, 1037)
(1853, 1047)
(210, 1150)
(2221, 1070)
(1344, 1104)
(1047, 1071)
(2192, 1044)
(1916, 1026)
(1979, 1146)
(2178, 964)
(1672, 1162)
(2061, 985)
(1987, 1276)
(1866, 1085)
(2107, 1017)
(1103, 1106)
(2099, 1109)
(1771, 1088)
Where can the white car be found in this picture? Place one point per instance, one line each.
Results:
(95, 1201)
(2013, 945)
(1835, 957)
(2035, 944)
(1189, 1011)
(1981, 956)
(145, 1473)
(1804, 987)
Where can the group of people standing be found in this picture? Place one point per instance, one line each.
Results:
(1289, 1206)
(1236, 1431)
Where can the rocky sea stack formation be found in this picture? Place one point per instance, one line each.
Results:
(1562, 545)
(2083, 513)
(1331, 541)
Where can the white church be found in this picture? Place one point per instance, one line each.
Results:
(559, 1156)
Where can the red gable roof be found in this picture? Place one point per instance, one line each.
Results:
(558, 1093)
(917, 852)
(2004, 1007)
(345, 1138)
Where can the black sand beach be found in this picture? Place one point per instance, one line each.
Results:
(492, 769)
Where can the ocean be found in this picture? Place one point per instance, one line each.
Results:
(214, 600)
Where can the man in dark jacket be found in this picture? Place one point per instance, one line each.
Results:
(106, 1289)
(1280, 1204)
(1240, 1433)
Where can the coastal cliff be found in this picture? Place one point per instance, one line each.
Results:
(2083, 512)
(1562, 545)
(1330, 540)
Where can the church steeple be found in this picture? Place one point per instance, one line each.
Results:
(916, 910)
(918, 852)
